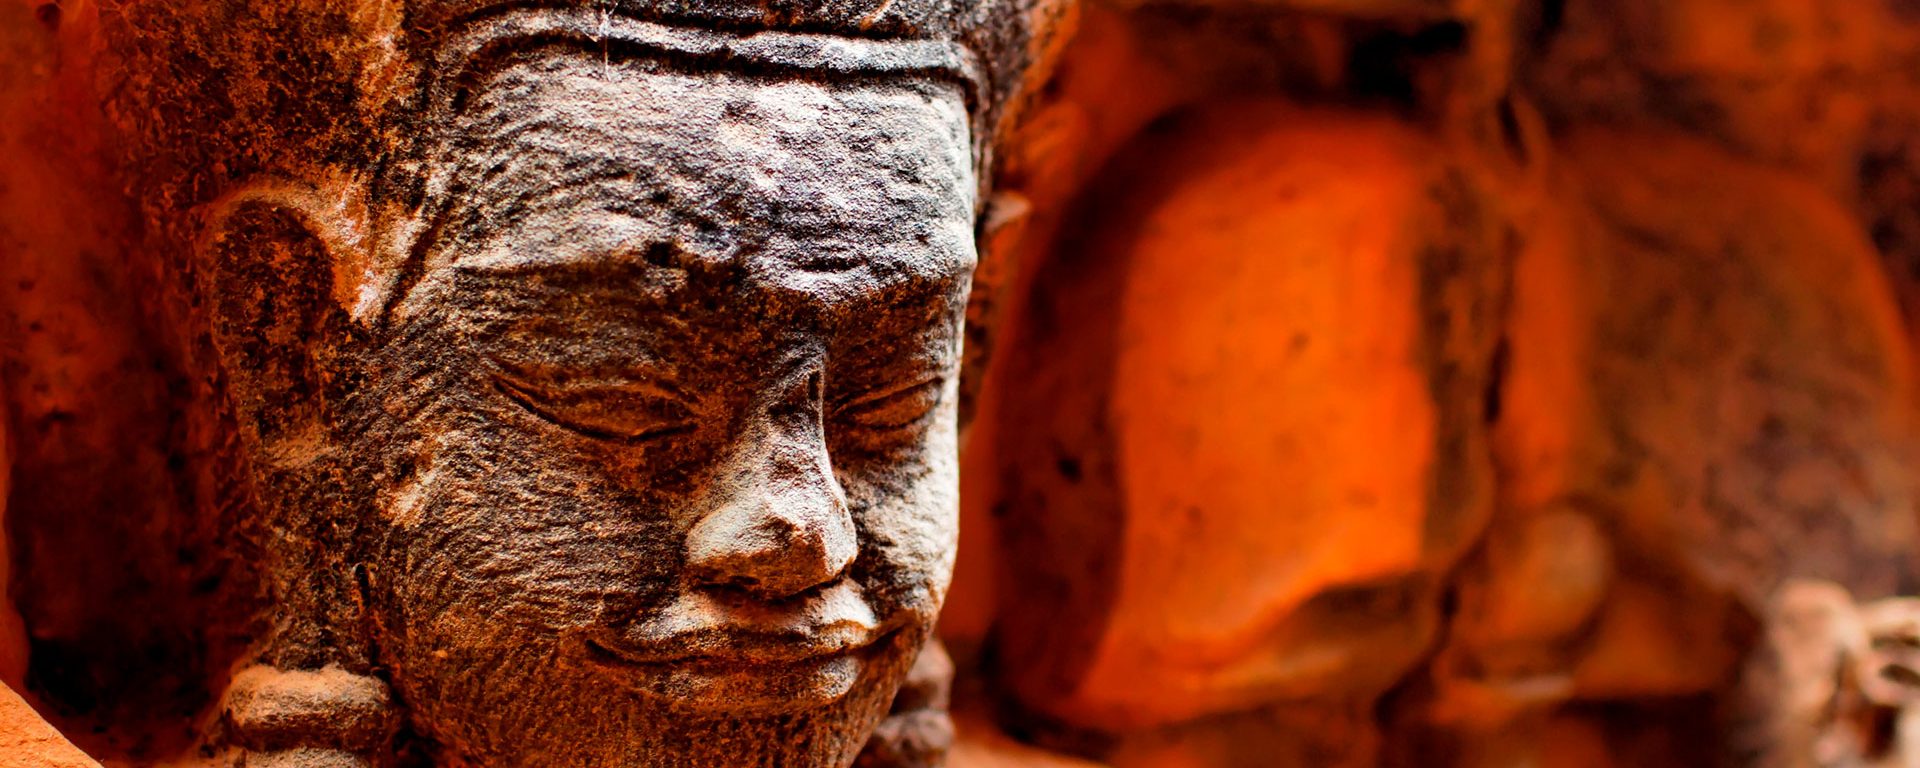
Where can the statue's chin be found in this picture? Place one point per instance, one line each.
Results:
(721, 686)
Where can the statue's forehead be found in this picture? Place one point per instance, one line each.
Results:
(570, 161)
(584, 90)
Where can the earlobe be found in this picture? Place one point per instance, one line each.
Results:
(333, 213)
(281, 269)
(282, 266)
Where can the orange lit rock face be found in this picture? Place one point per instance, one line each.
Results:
(1253, 457)
(1703, 389)
(26, 741)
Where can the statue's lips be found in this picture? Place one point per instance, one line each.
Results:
(702, 629)
(737, 648)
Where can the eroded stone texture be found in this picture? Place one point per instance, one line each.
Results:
(1121, 70)
(918, 731)
(501, 383)
(588, 371)
(27, 741)
(1799, 82)
(702, 419)
(273, 710)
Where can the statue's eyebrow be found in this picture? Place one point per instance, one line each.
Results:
(572, 279)
(495, 293)
(660, 381)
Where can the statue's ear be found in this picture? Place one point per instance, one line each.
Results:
(281, 264)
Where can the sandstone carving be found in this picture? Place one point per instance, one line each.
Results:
(648, 454)
(1425, 383)
(601, 408)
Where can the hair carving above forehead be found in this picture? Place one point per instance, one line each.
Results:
(879, 19)
(488, 42)
(493, 41)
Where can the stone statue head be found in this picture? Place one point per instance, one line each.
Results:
(613, 420)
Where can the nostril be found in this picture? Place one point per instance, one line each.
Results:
(785, 527)
(742, 583)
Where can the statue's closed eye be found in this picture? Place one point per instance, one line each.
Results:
(893, 409)
(627, 408)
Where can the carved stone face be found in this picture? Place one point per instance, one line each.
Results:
(661, 441)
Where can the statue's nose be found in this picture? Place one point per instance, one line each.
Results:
(784, 527)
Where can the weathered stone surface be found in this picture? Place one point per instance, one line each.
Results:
(584, 374)
(305, 758)
(271, 709)
(113, 516)
(27, 741)
(1364, 9)
(917, 732)
(1790, 392)
(397, 382)
(1792, 80)
(1107, 89)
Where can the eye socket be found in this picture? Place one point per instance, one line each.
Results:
(624, 408)
(894, 409)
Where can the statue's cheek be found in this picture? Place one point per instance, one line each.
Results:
(910, 537)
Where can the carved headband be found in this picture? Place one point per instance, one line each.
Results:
(488, 38)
